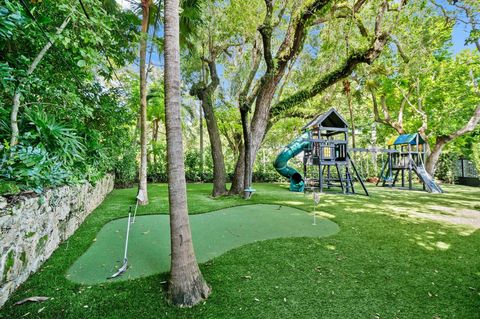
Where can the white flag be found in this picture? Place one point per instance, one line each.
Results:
(316, 198)
(140, 195)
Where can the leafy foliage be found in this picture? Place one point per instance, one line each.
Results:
(78, 109)
(74, 125)
(446, 167)
(59, 140)
(10, 19)
(32, 168)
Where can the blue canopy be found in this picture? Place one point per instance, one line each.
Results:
(405, 139)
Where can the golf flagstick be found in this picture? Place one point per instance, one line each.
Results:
(316, 200)
(122, 269)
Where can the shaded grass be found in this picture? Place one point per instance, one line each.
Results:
(383, 263)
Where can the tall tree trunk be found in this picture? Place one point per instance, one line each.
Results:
(219, 177)
(346, 89)
(373, 140)
(17, 95)
(143, 105)
(260, 123)
(204, 92)
(239, 173)
(436, 151)
(202, 156)
(247, 160)
(242, 178)
(186, 285)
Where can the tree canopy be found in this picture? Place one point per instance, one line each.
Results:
(70, 84)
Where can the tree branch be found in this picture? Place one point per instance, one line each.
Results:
(469, 127)
(367, 55)
(296, 32)
(215, 80)
(266, 32)
(17, 94)
(246, 100)
(363, 56)
(404, 57)
(387, 120)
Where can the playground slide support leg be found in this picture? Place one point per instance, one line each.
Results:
(358, 175)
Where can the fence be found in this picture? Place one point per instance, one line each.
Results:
(466, 173)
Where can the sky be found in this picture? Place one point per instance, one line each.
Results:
(459, 35)
(124, 3)
(460, 31)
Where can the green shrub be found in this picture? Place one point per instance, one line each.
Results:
(32, 168)
(58, 139)
(125, 169)
(446, 167)
(193, 165)
(8, 188)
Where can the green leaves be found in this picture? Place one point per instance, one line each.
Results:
(10, 19)
(81, 63)
(32, 168)
(59, 140)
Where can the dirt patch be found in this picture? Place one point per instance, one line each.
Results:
(466, 217)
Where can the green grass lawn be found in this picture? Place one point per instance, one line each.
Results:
(389, 260)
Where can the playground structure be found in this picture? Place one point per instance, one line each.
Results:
(406, 155)
(327, 162)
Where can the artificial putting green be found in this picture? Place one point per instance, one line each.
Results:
(213, 234)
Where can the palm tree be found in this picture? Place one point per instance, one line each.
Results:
(156, 110)
(143, 104)
(186, 286)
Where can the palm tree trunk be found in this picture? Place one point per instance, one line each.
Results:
(143, 104)
(186, 286)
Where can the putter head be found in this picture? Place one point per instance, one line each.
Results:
(121, 270)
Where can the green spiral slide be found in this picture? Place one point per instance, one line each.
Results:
(297, 184)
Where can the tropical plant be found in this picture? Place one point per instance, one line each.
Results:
(32, 168)
(57, 139)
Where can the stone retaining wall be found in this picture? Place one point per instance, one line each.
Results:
(32, 226)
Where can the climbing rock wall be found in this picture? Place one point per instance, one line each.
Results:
(32, 226)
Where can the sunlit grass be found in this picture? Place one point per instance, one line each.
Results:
(385, 262)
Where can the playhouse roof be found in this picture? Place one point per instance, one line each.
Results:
(331, 118)
(406, 139)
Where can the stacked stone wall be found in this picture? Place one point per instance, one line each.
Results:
(32, 226)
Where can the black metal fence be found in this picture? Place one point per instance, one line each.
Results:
(467, 173)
